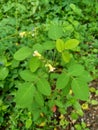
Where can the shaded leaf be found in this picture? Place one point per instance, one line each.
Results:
(34, 64)
(43, 86)
(62, 81)
(3, 73)
(27, 75)
(80, 89)
(48, 45)
(55, 32)
(24, 95)
(39, 98)
(85, 77)
(75, 69)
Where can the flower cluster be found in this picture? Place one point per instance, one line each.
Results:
(37, 54)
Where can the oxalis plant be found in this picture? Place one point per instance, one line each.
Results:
(46, 86)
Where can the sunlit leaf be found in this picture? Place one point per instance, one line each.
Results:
(71, 44)
(66, 56)
(60, 46)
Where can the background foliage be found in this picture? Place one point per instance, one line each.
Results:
(45, 26)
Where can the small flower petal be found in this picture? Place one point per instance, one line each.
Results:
(36, 53)
(42, 124)
(70, 92)
(51, 68)
(22, 34)
(85, 106)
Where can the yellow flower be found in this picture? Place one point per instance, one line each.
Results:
(22, 34)
(70, 92)
(17, 44)
(61, 116)
(51, 68)
(85, 106)
(41, 114)
(37, 54)
(42, 124)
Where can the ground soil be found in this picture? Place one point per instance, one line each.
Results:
(91, 115)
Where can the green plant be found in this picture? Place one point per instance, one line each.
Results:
(39, 84)
(46, 50)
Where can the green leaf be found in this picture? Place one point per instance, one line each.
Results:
(24, 95)
(34, 64)
(48, 45)
(96, 7)
(66, 56)
(71, 44)
(39, 98)
(67, 89)
(75, 9)
(59, 103)
(27, 75)
(36, 112)
(22, 53)
(3, 73)
(85, 77)
(94, 102)
(14, 63)
(80, 89)
(75, 69)
(60, 46)
(3, 60)
(38, 47)
(55, 32)
(28, 123)
(62, 81)
(43, 86)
